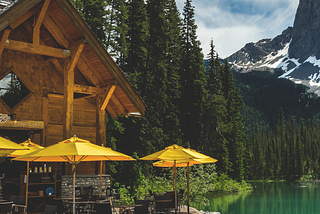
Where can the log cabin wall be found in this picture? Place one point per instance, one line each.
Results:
(45, 82)
(73, 81)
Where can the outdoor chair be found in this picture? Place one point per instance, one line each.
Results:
(60, 206)
(6, 207)
(78, 191)
(162, 203)
(108, 191)
(180, 198)
(172, 196)
(103, 208)
(86, 192)
(14, 198)
(19, 205)
(49, 209)
(116, 198)
(144, 209)
(151, 194)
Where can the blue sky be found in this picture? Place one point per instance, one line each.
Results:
(233, 23)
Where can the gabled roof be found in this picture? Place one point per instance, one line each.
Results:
(61, 32)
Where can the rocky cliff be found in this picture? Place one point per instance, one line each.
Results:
(295, 54)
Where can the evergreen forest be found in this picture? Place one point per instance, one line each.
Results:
(256, 125)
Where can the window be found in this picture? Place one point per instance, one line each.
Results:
(12, 90)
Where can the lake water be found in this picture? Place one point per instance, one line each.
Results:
(270, 198)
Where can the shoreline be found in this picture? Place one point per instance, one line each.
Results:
(184, 209)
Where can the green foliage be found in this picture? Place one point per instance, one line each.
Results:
(203, 180)
(282, 119)
(125, 196)
(227, 185)
(192, 81)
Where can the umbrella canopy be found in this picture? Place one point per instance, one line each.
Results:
(175, 153)
(7, 146)
(177, 156)
(32, 147)
(74, 150)
(182, 163)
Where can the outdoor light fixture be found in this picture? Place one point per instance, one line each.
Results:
(13, 117)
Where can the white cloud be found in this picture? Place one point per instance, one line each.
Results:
(234, 23)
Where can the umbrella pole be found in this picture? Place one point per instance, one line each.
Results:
(100, 179)
(175, 184)
(188, 185)
(74, 189)
(27, 184)
(173, 178)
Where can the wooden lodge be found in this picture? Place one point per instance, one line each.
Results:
(56, 78)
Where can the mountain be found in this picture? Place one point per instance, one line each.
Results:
(295, 54)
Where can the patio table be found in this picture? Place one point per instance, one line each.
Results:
(86, 205)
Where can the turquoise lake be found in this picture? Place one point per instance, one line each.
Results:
(270, 198)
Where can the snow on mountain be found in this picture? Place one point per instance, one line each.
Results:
(294, 55)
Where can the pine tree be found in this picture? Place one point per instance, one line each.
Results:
(235, 134)
(94, 13)
(117, 29)
(214, 114)
(171, 123)
(137, 38)
(192, 81)
(156, 64)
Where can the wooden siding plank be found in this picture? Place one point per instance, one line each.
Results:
(57, 65)
(87, 72)
(121, 108)
(56, 32)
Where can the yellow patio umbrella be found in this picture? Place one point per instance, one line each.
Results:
(7, 146)
(175, 152)
(173, 156)
(29, 147)
(32, 147)
(74, 150)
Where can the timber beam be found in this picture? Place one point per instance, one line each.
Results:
(83, 89)
(21, 19)
(83, 64)
(75, 56)
(107, 96)
(37, 49)
(4, 40)
(36, 29)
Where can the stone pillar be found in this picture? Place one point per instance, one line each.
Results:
(84, 181)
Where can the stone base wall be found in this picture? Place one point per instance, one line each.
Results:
(84, 181)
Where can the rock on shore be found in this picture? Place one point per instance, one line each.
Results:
(192, 210)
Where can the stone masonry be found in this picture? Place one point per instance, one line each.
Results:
(84, 181)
